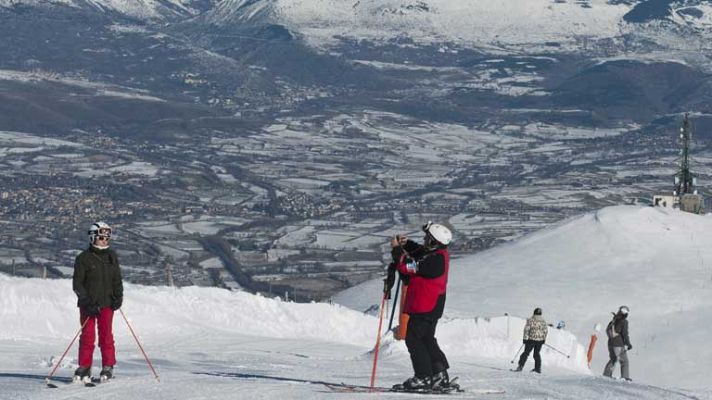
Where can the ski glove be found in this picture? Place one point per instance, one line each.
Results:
(412, 266)
(88, 307)
(92, 310)
(116, 303)
(630, 346)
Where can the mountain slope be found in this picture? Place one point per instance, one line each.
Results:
(654, 260)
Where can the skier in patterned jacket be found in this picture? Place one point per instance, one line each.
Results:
(535, 331)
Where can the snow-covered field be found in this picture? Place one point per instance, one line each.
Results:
(209, 343)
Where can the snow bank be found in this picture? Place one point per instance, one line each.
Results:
(36, 309)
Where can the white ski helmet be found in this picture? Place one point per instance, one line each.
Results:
(100, 228)
(438, 232)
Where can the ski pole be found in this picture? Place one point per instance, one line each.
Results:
(395, 303)
(517, 353)
(65, 352)
(556, 350)
(139, 345)
(378, 342)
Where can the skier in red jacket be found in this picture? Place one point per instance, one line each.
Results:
(427, 267)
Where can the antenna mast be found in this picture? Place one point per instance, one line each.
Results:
(684, 181)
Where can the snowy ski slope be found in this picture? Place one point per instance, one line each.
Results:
(210, 343)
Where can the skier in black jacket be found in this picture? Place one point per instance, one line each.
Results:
(98, 285)
(618, 343)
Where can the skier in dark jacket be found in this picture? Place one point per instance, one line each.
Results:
(427, 267)
(99, 289)
(618, 343)
(535, 331)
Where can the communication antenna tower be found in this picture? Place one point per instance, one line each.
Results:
(685, 182)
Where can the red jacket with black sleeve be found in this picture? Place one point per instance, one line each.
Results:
(428, 282)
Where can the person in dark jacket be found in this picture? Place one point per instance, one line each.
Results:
(427, 267)
(98, 285)
(535, 331)
(618, 343)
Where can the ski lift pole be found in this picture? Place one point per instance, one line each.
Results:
(378, 341)
(517, 353)
(139, 345)
(395, 303)
(557, 350)
(66, 351)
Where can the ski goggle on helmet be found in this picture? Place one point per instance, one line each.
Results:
(99, 230)
(624, 310)
(438, 232)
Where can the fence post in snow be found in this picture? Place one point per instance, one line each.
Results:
(592, 343)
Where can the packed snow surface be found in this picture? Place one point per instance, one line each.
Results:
(209, 343)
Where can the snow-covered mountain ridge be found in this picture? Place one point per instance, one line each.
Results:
(510, 24)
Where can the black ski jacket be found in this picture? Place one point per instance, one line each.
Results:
(97, 278)
(620, 338)
(430, 265)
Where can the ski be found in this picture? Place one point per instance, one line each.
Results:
(348, 388)
(53, 385)
(453, 390)
(344, 388)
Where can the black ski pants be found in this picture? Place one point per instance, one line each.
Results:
(530, 345)
(425, 354)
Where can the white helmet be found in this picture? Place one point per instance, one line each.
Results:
(100, 228)
(623, 310)
(438, 232)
